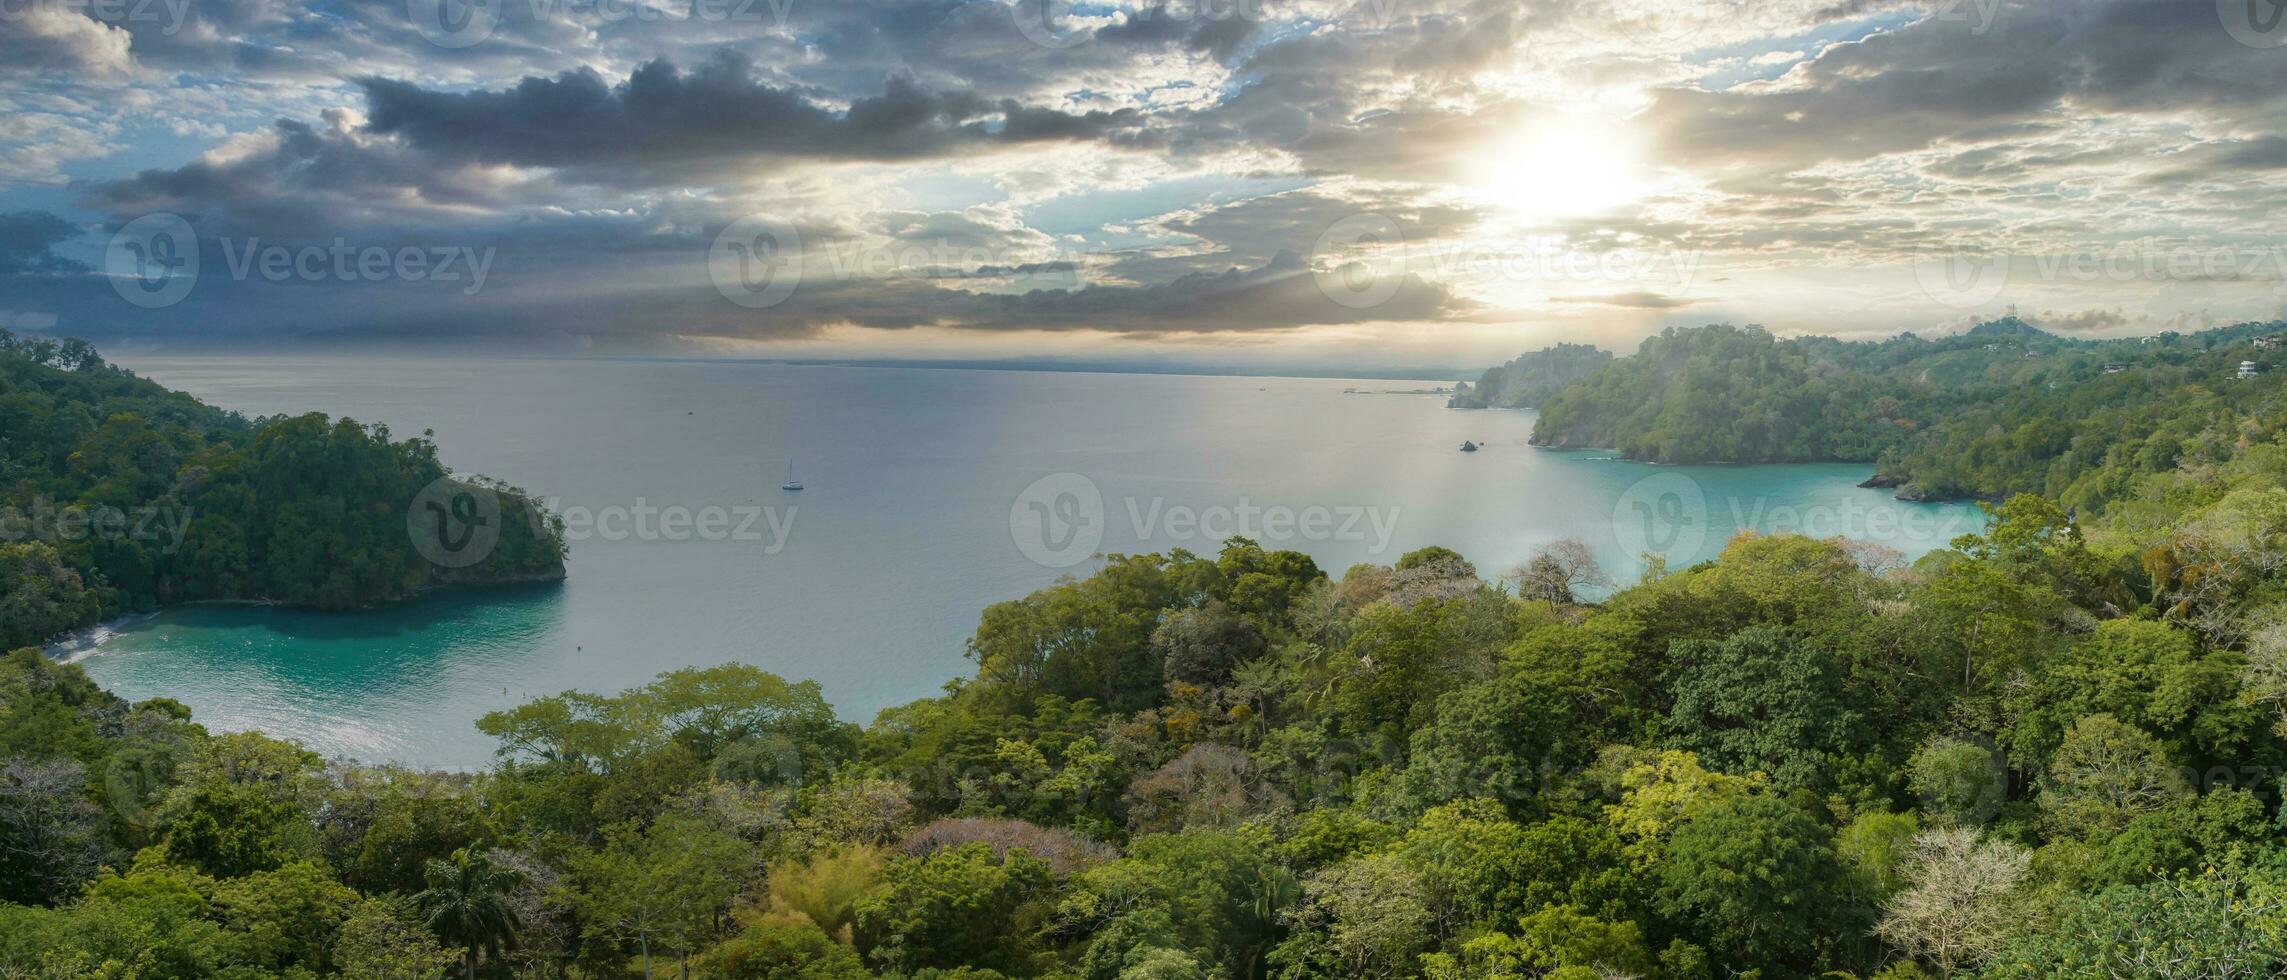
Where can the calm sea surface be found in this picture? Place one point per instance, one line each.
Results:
(929, 494)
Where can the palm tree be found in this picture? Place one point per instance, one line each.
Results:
(466, 904)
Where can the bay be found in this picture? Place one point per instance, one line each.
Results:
(929, 494)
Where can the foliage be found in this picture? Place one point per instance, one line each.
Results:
(2049, 750)
(1531, 378)
(119, 496)
(781, 948)
(956, 907)
(2228, 922)
(2002, 409)
(1755, 878)
(1761, 701)
(668, 884)
(467, 904)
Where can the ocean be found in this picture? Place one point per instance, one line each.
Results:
(927, 495)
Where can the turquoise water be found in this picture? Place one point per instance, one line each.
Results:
(929, 494)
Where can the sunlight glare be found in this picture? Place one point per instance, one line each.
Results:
(1563, 168)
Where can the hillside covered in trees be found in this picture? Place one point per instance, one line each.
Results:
(1530, 379)
(117, 496)
(2002, 409)
(2053, 750)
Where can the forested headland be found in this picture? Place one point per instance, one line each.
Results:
(1530, 379)
(120, 496)
(2052, 750)
(2001, 409)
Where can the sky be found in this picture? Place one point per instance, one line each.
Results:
(1233, 182)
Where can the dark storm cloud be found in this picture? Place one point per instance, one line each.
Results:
(663, 122)
(25, 240)
(301, 180)
(419, 154)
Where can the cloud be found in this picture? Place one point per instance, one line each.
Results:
(302, 180)
(663, 124)
(1282, 293)
(25, 240)
(1632, 301)
(2081, 321)
(1168, 173)
(47, 37)
(13, 320)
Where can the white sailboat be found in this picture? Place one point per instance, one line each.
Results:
(791, 483)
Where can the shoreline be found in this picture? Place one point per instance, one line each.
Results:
(79, 644)
(86, 641)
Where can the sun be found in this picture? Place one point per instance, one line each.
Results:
(1560, 168)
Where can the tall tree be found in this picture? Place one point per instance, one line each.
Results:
(466, 904)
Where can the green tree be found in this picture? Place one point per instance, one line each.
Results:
(466, 904)
(1557, 941)
(51, 836)
(2105, 774)
(376, 945)
(1757, 878)
(1367, 917)
(2148, 674)
(1216, 893)
(1202, 646)
(284, 919)
(242, 805)
(2229, 922)
(670, 883)
(1958, 778)
(780, 947)
(957, 907)
(1761, 701)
